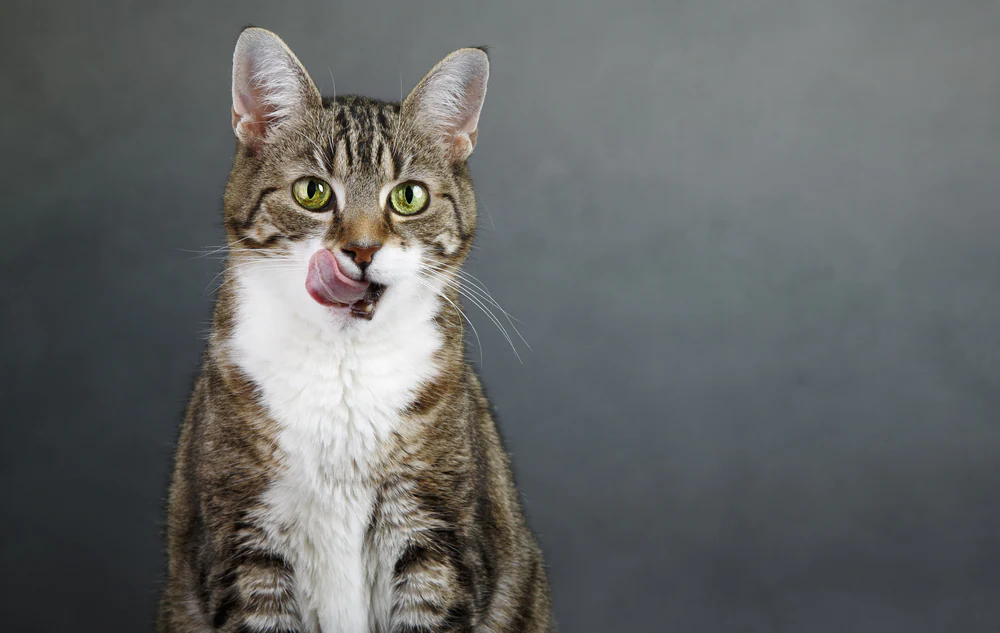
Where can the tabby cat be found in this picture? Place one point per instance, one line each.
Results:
(339, 469)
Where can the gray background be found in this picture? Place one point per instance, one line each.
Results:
(754, 246)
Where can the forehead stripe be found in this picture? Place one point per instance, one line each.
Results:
(362, 135)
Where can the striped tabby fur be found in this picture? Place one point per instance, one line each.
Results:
(339, 469)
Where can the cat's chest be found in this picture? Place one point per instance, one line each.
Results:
(335, 405)
(337, 396)
(334, 423)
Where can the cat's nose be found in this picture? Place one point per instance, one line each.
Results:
(362, 253)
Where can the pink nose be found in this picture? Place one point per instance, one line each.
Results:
(360, 253)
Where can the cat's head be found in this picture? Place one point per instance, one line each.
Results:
(348, 207)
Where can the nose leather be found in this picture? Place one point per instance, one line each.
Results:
(361, 254)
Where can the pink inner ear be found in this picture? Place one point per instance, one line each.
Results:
(475, 94)
(453, 98)
(252, 114)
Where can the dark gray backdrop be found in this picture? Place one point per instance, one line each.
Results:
(754, 246)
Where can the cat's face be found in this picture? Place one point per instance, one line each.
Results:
(349, 208)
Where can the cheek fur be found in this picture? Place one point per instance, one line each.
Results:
(449, 242)
(394, 264)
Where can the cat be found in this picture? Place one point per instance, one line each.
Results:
(339, 468)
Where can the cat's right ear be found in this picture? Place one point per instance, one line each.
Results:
(447, 102)
(270, 86)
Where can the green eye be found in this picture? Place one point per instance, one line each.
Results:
(311, 193)
(409, 198)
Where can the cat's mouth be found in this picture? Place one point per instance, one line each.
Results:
(328, 285)
(364, 308)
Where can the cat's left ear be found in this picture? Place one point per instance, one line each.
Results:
(447, 102)
(270, 86)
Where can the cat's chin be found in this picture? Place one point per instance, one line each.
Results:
(363, 308)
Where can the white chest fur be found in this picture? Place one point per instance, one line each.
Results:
(336, 390)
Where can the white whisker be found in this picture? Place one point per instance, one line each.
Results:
(215, 249)
(487, 207)
(440, 294)
(333, 149)
(477, 286)
(270, 263)
(481, 304)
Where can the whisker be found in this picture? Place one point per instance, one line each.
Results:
(333, 149)
(479, 288)
(475, 281)
(314, 144)
(399, 117)
(484, 295)
(482, 306)
(487, 207)
(262, 253)
(475, 284)
(440, 294)
(215, 249)
(496, 321)
(285, 271)
(258, 264)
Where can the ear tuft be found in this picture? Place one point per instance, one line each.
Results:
(448, 101)
(270, 85)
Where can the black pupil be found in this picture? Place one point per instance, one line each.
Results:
(311, 189)
(409, 194)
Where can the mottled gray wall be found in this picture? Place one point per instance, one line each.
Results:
(755, 246)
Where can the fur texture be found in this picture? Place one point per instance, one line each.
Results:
(339, 468)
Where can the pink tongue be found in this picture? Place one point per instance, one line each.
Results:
(328, 285)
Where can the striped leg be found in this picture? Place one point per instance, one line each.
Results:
(256, 595)
(429, 589)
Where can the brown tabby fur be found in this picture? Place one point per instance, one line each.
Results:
(445, 466)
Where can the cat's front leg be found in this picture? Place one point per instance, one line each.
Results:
(255, 594)
(430, 592)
